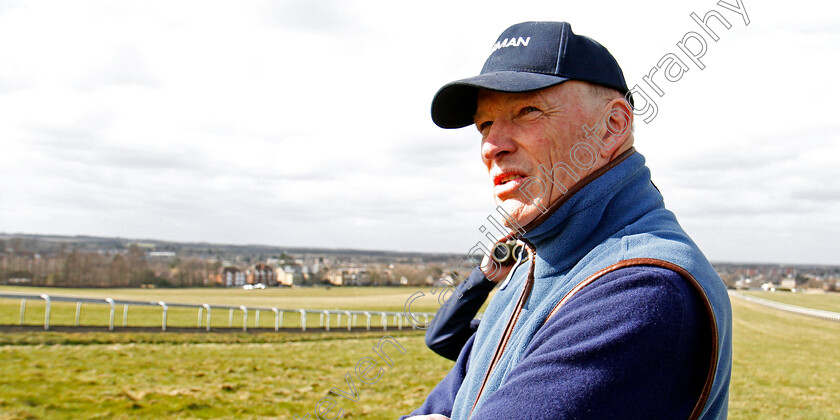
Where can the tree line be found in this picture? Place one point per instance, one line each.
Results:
(130, 268)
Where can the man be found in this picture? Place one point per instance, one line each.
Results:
(613, 312)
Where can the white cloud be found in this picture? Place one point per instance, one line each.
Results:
(307, 123)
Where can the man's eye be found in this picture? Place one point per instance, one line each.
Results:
(483, 126)
(528, 109)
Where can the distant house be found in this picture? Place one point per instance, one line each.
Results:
(744, 284)
(350, 276)
(335, 277)
(357, 276)
(788, 284)
(161, 254)
(230, 277)
(289, 275)
(262, 273)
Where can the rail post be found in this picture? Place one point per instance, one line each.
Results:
(384, 321)
(230, 318)
(22, 310)
(257, 319)
(327, 315)
(348, 319)
(276, 318)
(163, 319)
(110, 314)
(46, 311)
(302, 319)
(78, 311)
(206, 306)
(125, 315)
(367, 314)
(244, 318)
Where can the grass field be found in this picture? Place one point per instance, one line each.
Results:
(256, 376)
(824, 301)
(785, 366)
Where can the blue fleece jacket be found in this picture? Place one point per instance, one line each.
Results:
(607, 318)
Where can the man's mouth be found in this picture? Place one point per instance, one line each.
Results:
(504, 178)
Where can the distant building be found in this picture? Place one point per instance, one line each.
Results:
(744, 284)
(229, 276)
(349, 276)
(289, 275)
(334, 277)
(788, 284)
(262, 273)
(161, 254)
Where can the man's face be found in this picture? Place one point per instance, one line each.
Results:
(521, 132)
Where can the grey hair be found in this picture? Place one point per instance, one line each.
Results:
(602, 94)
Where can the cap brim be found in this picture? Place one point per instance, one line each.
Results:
(455, 103)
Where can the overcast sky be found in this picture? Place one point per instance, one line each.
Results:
(306, 123)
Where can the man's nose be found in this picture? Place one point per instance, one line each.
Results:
(498, 142)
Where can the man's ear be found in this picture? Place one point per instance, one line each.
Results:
(618, 122)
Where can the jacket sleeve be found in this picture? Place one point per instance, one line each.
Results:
(453, 323)
(634, 344)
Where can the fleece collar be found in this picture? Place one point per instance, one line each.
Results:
(593, 210)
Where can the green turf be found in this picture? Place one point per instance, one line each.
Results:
(233, 377)
(785, 366)
(823, 301)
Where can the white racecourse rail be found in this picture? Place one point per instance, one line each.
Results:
(325, 314)
(817, 313)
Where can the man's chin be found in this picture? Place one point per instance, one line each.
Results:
(520, 214)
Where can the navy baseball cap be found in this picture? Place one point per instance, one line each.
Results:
(529, 56)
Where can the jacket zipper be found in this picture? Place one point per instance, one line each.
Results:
(511, 323)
